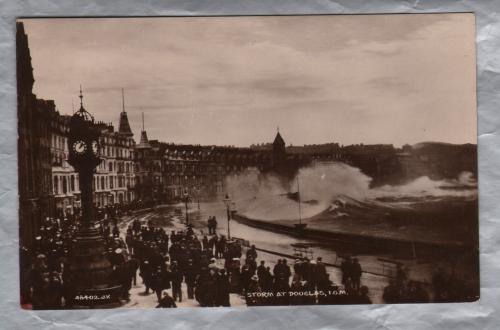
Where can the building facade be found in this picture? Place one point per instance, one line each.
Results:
(65, 192)
(34, 160)
(168, 172)
(114, 179)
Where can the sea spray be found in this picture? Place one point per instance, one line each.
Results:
(330, 186)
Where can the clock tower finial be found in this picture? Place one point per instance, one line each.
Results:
(81, 97)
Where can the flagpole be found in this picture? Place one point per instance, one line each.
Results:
(298, 194)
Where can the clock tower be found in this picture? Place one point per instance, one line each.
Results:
(89, 269)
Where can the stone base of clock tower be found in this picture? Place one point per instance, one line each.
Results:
(91, 273)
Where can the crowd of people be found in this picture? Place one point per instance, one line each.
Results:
(209, 266)
(166, 262)
(43, 265)
(182, 265)
(446, 287)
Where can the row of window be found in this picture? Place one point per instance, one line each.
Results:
(117, 152)
(180, 180)
(105, 182)
(171, 168)
(114, 166)
(59, 142)
(111, 141)
(64, 184)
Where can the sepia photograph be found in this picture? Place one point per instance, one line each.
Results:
(218, 161)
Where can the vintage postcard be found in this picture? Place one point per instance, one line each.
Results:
(247, 160)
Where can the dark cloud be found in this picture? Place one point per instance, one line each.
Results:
(206, 79)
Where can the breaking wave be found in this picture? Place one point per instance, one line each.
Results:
(329, 186)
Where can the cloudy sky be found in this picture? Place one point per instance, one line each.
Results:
(233, 80)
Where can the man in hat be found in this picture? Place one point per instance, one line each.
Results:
(210, 225)
(214, 225)
(222, 283)
(176, 276)
(246, 275)
(252, 253)
(261, 270)
(190, 275)
(145, 272)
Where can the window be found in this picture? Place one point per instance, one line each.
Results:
(56, 185)
(72, 183)
(103, 186)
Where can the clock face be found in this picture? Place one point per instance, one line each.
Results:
(95, 148)
(79, 147)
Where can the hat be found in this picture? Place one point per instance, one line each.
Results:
(313, 262)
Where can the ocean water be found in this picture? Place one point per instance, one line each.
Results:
(338, 189)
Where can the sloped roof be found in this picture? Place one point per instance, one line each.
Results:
(278, 140)
(124, 126)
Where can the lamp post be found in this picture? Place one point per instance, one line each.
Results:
(227, 201)
(198, 197)
(186, 201)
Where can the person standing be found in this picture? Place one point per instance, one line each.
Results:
(356, 275)
(261, 273)
(176, 282)
(214, 228)
(190, 278)
(155, 283)
(252, 253)
(222, 289)
(133, 266)
(346, 268)
(145, 273)
(204, 243)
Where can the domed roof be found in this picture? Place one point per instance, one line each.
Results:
(84, 114)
